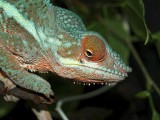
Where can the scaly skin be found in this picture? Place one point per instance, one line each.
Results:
(37, 36)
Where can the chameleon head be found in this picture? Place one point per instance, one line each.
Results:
(90, 59)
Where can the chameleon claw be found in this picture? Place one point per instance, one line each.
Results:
(52, 93)
(49, 93)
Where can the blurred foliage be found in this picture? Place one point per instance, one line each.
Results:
(5, 107)
(122, 23)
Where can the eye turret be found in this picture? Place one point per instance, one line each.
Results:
(93, 48)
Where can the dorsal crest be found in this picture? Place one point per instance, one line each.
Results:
(30, 9)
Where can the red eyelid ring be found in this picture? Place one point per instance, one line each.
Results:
(93, 48)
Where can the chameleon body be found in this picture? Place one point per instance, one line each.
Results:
(38, 36)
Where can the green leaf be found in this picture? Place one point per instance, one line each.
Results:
(116, 27)
(119, 47)
(156, 36)
(155, 115)
(143, 94)
(116, 35)
(157, 44)
(134, 9)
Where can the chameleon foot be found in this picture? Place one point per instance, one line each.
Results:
(49, 93)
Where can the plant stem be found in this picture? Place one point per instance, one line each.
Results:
(79, 97)
(144, 70)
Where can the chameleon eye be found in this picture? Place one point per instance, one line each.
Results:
(93, 48)
(88, 53)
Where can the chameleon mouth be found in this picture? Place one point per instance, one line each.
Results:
(105, 77)
(91, 75)
(96, 82)
(104, 70)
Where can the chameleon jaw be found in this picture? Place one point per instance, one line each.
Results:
(91, 76)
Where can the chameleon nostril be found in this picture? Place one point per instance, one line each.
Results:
(81, 61)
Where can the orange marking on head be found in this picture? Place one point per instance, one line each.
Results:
(93, 48)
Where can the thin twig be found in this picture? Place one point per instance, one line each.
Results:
(79, 97)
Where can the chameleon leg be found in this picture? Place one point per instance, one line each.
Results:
(12, 93)
(42, 112)
(11, 67)
(24, 94)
